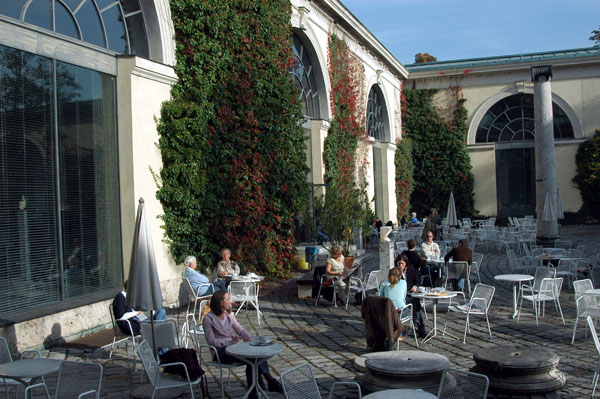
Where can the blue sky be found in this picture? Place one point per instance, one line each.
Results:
(460, 29)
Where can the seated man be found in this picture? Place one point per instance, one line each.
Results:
(462, 253)
(431, 250)
(124, 312)
(416, 261)
(197, 279)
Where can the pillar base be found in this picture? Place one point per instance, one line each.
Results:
(546, 241)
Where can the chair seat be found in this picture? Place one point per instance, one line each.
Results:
(223, 365)
(173, 380)
(465, 309)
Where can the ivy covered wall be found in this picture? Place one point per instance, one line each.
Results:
(232, 148)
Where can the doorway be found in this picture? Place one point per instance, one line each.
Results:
(515, 181)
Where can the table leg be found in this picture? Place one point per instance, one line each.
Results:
(433, 332)
(514, 313)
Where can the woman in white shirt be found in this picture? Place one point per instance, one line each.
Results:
(335, 269)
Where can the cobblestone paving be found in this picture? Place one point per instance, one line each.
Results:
(330, 338)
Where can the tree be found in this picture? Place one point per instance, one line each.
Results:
(587, 178)
(596, 37)
(231, 140)
(422, 58)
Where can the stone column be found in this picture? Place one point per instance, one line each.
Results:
(545, 167)
(386, 252)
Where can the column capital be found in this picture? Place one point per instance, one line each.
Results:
(539, 71)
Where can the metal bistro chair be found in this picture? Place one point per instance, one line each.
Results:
(209, 357)
(549, 291)
(458, 270)
(587, 305)
(299, 383)
(590, 323)
(77, 380)
(476, 265)
(459, 384)
(245, 292)
(355, 284)
(407, 312)
(165, 334)
(160, 380)
(478, 305)
(195, 298)
(6, 357)
(119, 336)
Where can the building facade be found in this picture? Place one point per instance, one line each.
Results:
(499, 100)
(82, 83)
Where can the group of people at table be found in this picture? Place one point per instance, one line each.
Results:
(221, 329)
(412, 270)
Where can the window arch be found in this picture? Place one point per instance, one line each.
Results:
(512, 119)
(376, 117)
(108, 24)
(304, 77)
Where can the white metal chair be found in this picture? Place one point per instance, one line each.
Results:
(245, 292)
(371, 282)
(299, 383)
(160, 380)
(549, 291)
(518, 264)
(118, 335)
(78, 380)
(209, 357)
(567, 269)
(165, 334)
(476, 265)
(587, 305)
(405, 314)
(190, 317)
(456, 270)
(479, 304)
(6, 357)
(459, 384)
(592, 327)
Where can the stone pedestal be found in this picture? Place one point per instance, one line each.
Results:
(519, 370)
(403, 370)
(386, 257)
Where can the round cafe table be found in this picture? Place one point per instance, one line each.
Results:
(253, 355)
(435, 296)
(26, 371)
(515, 279)
(400, 393)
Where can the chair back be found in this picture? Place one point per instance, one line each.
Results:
(5, 356)
(148, 361)
(372, 281)
(75, 378)
(459, 384)
(512, 259)
(165, 334)
(299, 383)
(581, 286)
(478, 258)
(111, 310)
(590, 323)
(457, 269)
(483, 293)
(239, 290)
(542, 273)
(550, 288)
(189, 289)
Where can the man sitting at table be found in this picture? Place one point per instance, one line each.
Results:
(462, 253)
(135, 317)
(431, 250)
(416, 261)
(219, 327)
(197, 279)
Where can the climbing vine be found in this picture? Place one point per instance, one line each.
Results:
(587, 178)
(232, 147)
(403, 162)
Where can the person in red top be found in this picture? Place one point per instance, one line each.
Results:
(221, 329)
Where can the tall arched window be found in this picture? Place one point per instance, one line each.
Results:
(103, 23)
(512, 119)
(304, 77)
(375, 115)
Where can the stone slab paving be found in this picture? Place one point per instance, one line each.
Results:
(329, 338)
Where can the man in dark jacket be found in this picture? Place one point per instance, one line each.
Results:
(462, 253)
(416, 261)
(413, 279)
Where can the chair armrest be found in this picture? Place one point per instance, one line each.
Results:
(351, 383)
(92, 392)
(187, 375)
(203, 285)
(25, 353)
(213, 351)
(476, 301)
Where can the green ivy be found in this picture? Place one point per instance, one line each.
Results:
(441, 161)
(405, 181)
(587, 178)
(231, 141)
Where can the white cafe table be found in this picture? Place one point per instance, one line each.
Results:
(26, 370)
(515, 279)
(253, 355)
(434, 296)
(400, 393)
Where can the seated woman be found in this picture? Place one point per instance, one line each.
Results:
(413, 279)
(394, 288)
(226, 267)
(335, 269)
(221, 329)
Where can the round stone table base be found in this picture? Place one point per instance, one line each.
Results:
(519, 370)
(403, 370)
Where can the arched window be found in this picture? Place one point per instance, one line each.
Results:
(304, 78)
(375, 115)
(512, 119)
(103, 23)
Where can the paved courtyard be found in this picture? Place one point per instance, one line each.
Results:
(331, 338)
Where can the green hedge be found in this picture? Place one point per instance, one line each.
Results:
(587, 178)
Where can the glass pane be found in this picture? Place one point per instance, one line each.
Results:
(39, 13)
(64, 22)
(89, 22)
(11, 8)
(515, 182)
(89, 190)
(138, 40)
(115, 30)
(29, 273)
